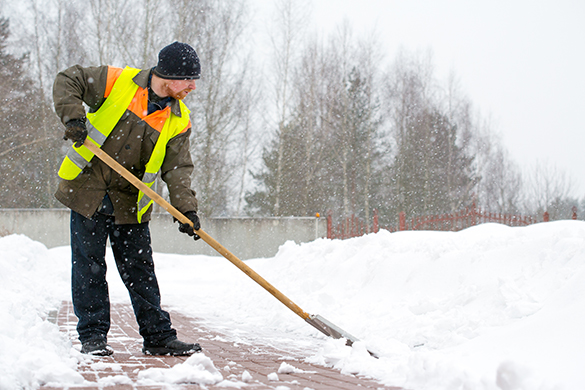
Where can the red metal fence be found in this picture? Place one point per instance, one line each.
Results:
(470, 216)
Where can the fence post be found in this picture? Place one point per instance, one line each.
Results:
(545, 217)
(402, 221)
(376, 226)
(329, 226)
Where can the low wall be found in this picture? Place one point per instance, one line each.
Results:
(246, 238)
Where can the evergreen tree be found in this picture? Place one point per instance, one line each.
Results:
(355, 145)
(302, 192)
(435, 175)
(28, 145)
(330, 166)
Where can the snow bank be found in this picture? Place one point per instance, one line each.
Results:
(491, 307)
(32, 286)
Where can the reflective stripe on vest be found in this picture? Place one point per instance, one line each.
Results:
(101, 123)
(173, 126)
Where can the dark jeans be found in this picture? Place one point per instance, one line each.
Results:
(133, 254)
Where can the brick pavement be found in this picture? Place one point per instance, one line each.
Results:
(120, 371)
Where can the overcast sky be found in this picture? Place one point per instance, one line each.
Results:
(521, 62)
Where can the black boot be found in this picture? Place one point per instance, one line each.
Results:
(172, 347)
(97, 347)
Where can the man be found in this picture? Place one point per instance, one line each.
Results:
(139, 119)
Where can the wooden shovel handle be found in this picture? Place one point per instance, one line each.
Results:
(204, 236)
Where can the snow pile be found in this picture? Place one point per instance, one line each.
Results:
(286, 368)
(491, 307)
(32, 284)
(197, 368)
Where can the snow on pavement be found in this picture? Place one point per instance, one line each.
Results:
(490, 307)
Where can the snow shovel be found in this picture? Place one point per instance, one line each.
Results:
(316, 321)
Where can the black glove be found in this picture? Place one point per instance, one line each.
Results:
(186, 228)
(75, 131)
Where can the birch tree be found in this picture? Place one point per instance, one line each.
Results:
(433, 170)
(290, 20)
(326, 155)
(220, 106)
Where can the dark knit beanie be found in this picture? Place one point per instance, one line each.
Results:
(178, 61)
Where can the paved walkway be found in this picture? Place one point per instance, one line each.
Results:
(120, 371)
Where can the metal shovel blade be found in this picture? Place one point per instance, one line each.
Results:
(330, 329)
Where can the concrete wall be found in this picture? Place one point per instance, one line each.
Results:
(246, 238)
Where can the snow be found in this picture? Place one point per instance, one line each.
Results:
(197, 368)
(490, 307)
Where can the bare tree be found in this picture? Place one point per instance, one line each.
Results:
(248, 145)
(327, 145)
(326, 154)
(144, 29)
(27, 142)
(289, 24)
(353, 120)
(309, 100)
(101, 21)
(500, 185)
(408, 91)
(221, 105)
(52, 39)
(547, 187)
(457, 108)
(338, 118)
(368, 115)
(433, 170)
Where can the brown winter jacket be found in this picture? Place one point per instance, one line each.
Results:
(131, 143)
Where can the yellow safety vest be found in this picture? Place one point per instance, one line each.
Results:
(102, 122)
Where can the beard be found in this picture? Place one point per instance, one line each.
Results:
(179, 95)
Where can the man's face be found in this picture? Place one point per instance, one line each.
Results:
(179, 89)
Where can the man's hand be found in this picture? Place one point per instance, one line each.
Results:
(75, 131)
(186, 228)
